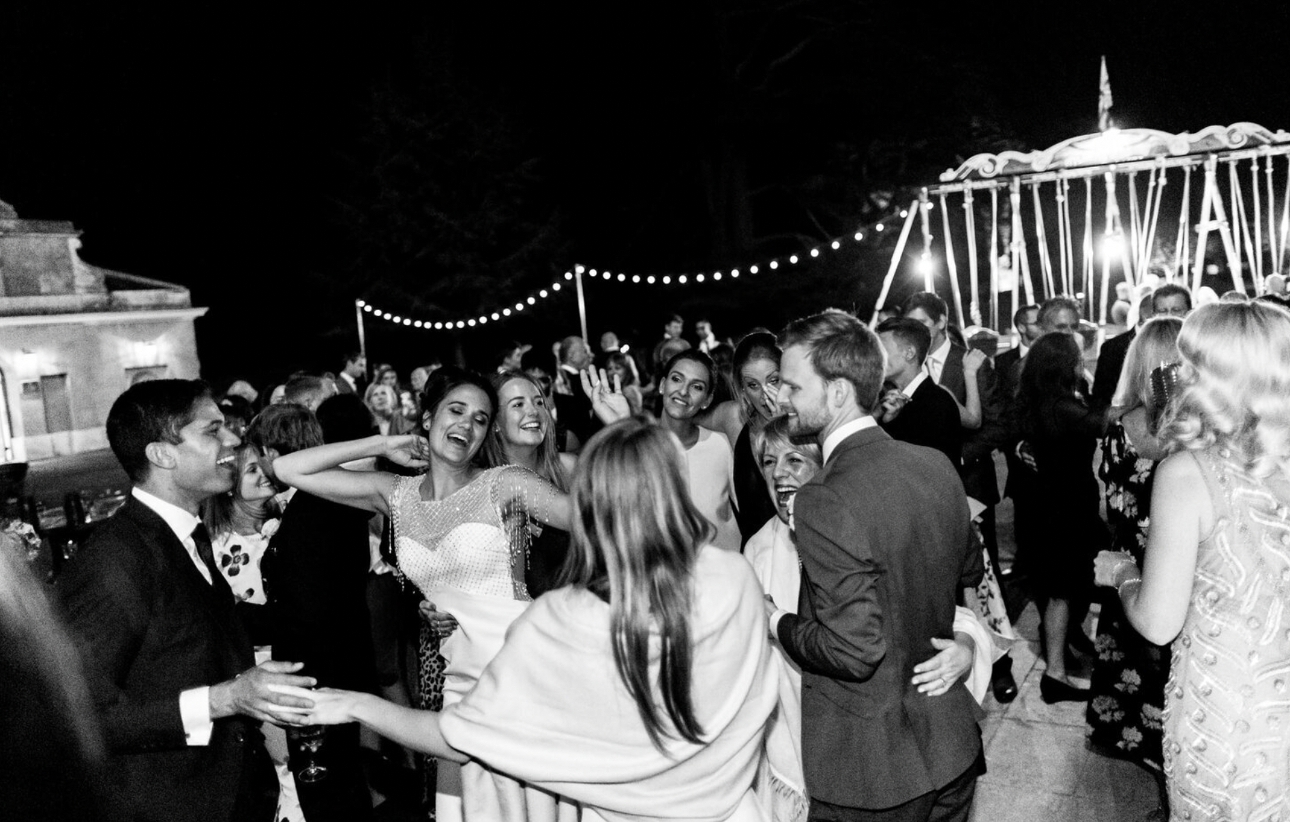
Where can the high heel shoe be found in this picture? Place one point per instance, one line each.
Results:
(1053, 690)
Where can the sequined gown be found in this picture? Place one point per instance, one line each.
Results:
(1227, 709)
(466, 554)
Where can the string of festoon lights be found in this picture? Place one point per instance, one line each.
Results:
(772, 264)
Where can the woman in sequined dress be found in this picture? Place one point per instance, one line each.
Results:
(1128, 679)
(1216, 578)
(460, 535)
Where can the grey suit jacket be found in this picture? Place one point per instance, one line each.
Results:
(885, 544)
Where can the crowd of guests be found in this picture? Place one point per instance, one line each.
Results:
(745, 581)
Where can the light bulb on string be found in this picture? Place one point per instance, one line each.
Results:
(815, 252)
(650, 279)
(774, 264)
(555, 286)
(636, 278)
(836, 245)
(681, 279)
(698, 278)
(879, 227)
(793, 259)
(667, 280)
(859, 236)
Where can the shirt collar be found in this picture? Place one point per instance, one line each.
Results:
(835, 439)
(179, 520)
(909, 390)
(942, 351)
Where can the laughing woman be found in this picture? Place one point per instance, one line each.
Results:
(642, 689)
(523, 434)
(461, 534)
(687, 389)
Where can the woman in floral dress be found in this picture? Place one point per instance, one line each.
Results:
(1128, 680)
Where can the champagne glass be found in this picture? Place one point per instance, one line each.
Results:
(310, 739)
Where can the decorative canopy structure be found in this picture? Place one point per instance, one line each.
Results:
(1052, 180)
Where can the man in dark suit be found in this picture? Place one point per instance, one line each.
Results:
(168, 660)
(885, 545)
(353, 377)
(573, 406)
(316, 577)
(980, 439)
(916, 410)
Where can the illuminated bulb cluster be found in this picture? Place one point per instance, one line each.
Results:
(598, 273)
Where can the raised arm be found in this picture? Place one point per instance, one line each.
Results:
(970, 411)
(317, 470)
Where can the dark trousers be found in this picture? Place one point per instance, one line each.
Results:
(952, 803)
(342, 794)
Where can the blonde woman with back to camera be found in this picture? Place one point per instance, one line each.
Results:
(642, 689)
(1216, 577)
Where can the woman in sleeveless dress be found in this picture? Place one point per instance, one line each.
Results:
(1128, 678)
(1216, 578)
(641, 690)
(460, 535)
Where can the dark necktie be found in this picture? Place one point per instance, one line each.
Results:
(202, 538)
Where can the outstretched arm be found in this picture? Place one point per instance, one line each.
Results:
(540, 499)
(409, 727)
(317, 470)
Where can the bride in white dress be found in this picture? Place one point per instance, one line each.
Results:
(461, 536)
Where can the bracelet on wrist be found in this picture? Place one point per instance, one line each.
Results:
(1119, 589)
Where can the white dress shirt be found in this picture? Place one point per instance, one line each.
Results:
(935, 363)
(909, 390)
(194, 703)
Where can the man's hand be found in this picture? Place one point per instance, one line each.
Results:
(892, 403)
(972, 362)
(251, 694)
(940, 673)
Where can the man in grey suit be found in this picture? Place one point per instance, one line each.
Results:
(883, 535)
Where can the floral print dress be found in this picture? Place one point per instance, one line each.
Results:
(1128, 680)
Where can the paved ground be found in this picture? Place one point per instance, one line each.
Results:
(1040, 767)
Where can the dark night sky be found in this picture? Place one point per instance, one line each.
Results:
(209, 146)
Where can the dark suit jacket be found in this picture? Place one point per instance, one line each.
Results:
(150, 626)
(316, 576)
(1007, 369)
(1110, 362)
(977, 469)
(574, 412)
(885, 545)
(930, 418)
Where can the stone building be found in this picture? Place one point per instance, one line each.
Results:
(73, 336)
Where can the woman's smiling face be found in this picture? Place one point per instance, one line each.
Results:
(687, 390)
(457, 428)
(523, 418)
(785, 469)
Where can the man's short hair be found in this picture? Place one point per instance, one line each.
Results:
(841, 348)
(1022, 312)
(931, 304)
(300, 390)
(668, 319)
(1054, 304)
(908, 332)
(148, 412)
(286, 428)
(566, 345)
(352, 356)
(1170, 290)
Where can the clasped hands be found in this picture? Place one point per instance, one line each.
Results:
(258, 693)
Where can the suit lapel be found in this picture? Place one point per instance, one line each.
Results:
(215, 596)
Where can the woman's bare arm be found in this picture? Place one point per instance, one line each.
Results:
(317, 470)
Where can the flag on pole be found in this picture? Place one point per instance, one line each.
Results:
(1104, 99)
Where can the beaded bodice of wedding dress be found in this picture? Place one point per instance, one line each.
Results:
(464, 540)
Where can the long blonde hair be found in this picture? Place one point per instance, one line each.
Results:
(1156, 344)
(636, 536)
(1235, 380)
(548, 456)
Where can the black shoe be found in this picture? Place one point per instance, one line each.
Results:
(1053, 690)
(1001, 681)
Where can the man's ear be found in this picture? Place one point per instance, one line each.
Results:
(161, 454)
(838, 392)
